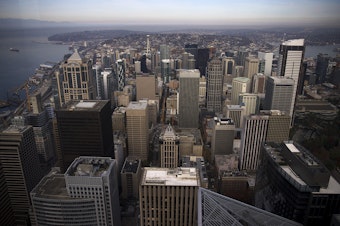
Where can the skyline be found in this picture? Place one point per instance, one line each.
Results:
(152, 12)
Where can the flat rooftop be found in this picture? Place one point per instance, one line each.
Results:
(52, 186)
(84, 105)
(182, 176)
(89, 166)
(137, 105)
(15, 129)
(294, 42)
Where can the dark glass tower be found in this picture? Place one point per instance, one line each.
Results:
(85, 129)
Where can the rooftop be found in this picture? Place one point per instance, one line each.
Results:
(85, 105)
(183, 176)
(15, 129)
(294, 42)
(137, 105)
(90, 166)
(131, 166)
(241, 79)
(52, 186)
(282, 80)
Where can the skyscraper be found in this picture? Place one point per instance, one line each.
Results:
(228, 64)
(236, 113)
(259, 83)
(52, 204)
(251, 102)
(251, 67)
(292, 183)
(214, 85)
(169, 148)
(39, 119)
(202, 60)
(267, 60)
(146, 87)
(120, 73)
(188, 98)
(278, 126)
(169, 196)
(87, 194)
(223, 134)
(239, 85)
(85, 128)
(96, 178)
(137, 126)
(165, 70)
(130, 177)
(164, 52)
(20, 168)
(76, 82)
(253, 136)
(107, 84)
(321, 67)
(192, 49)
(279, 94)
(290, 62)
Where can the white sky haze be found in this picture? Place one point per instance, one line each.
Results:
(184, 12)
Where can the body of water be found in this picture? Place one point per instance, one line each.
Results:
(34, 49)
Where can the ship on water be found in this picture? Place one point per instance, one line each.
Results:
(14, 50)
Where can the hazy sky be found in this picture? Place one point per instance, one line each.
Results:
(199, 12)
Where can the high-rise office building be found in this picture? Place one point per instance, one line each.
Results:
(239, 85)
(192, 49)
(87, 194)
(252, 138)
(96, 178)
(169, 148)
(6, 210)
(120, 74)
(223, 134)
(266, 62)
(138, 68)
(165, 70)
(119, 120)
(279, 94)
(202, 60)
(164, 52)
(259, 83)
(322, 62)
(85, 128)
(146, 87)
(290, 62)
(202, 91)
(188, 98)
(292, 183)
(241, 57)
(236, 113)
(137, 127)
(214, 85)
(39, 119)
(278, 126)
(185, 60)
(76, 81)
(52, 204)
(251, 102)
(251, 67)
(130, 178)
(20, 169)
(169, 196)
(106, 81)
(228, 64)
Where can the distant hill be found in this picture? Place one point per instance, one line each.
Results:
(22, 23)
(92, 35)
